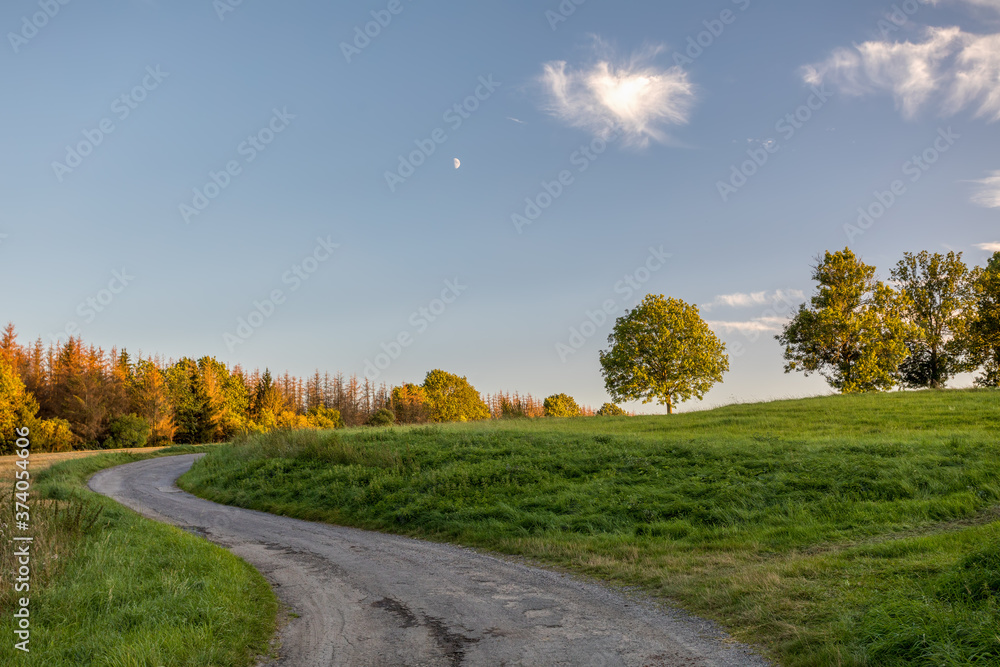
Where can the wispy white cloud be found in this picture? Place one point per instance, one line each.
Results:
(988, 191)
(989, 247)
(741, 300)
(757, 325)
(950, 69)
(989, 4)
(635, 95)
(992, 4)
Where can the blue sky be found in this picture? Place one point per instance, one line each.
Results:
(249, 148)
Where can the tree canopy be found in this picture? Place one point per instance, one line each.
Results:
(17, 407)
(937, 290)
(662, 350)
(561, 405)
(451, 398)
(852, 331)
(983, 332)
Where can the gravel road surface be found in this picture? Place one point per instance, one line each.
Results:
(365, 598)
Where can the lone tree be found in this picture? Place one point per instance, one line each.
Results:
(852, 332)
(938, 291)
(451, 398)
(662, 350)
(561, 405)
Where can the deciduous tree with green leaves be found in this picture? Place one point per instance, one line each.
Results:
(853, 330)
(662, 350)
(983, 333)
(451, 398)
(561, 405)
(938, 303)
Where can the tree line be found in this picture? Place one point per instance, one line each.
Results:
(935, 318)
(74, 396)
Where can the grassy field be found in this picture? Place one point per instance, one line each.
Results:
(111, 588)
(847, 530)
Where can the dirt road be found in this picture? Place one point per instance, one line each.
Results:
(366, 598)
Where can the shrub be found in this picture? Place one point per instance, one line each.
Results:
(325, 418)
(611, 410)
(383, 417)
(51, 435)
(561, 405)
(290, 421)
(126, 432)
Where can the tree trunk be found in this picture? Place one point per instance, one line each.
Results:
(935, 372)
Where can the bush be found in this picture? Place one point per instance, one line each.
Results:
(325, 418)
(383, 417)
(611, 410)
(290, 421)
(127, 432)
(51, 435)
(561, 405)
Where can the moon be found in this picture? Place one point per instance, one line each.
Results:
(458, 163)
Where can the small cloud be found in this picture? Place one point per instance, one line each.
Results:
(741, 300)
(757, 325)
(737, 300)
(516, 120)
(988, 193)
(635, 95)
(989, 247)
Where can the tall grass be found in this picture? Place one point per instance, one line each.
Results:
(109, 587)
(57, 530)
(845, 530)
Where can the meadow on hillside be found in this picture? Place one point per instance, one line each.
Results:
(838, 530)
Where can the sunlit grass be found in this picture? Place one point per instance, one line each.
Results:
(837, 530)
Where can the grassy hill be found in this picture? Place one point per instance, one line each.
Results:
(855, 530)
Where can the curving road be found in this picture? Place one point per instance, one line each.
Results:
(366, 598)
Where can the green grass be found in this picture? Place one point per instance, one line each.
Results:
(846, 530)
(131, 591)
